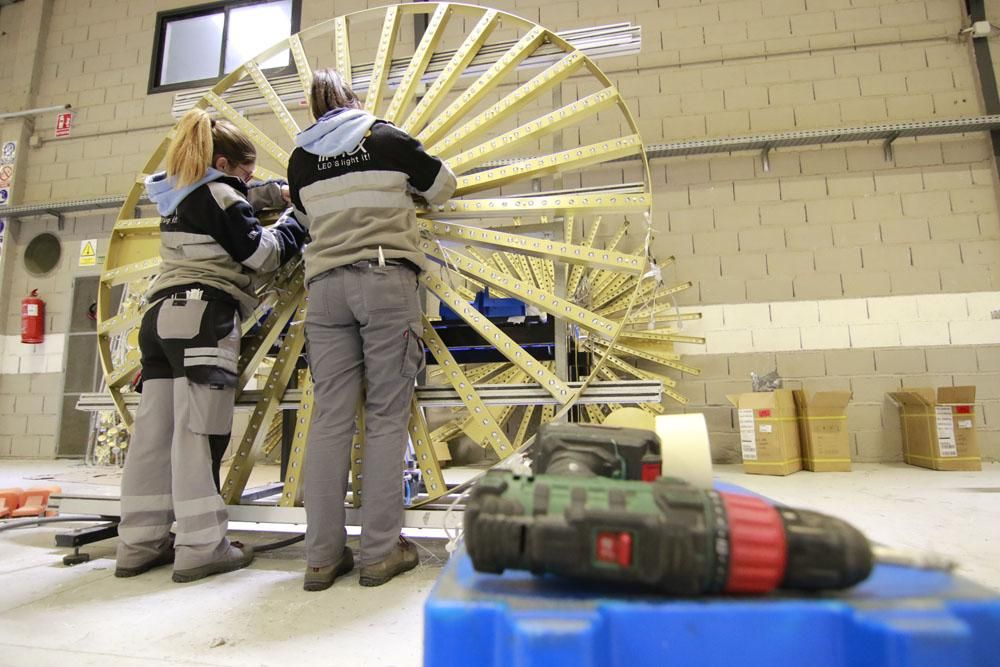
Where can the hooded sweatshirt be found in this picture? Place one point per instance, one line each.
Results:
(352, 175)
(210, 237)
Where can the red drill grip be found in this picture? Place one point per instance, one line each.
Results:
(757, 549)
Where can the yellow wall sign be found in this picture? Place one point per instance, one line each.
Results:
(88, 252)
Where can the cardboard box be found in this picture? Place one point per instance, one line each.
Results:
(939, 430)
(769, 432)
(826, 442)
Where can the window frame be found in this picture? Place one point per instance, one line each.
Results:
(160, 38)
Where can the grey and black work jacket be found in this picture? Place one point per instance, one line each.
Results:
(211, 238)
(352, 176)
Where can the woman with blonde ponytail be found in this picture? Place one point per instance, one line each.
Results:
(211, 245)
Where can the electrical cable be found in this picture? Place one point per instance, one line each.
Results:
(40, 520)
(280, 544)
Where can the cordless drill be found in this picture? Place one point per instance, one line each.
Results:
(665, 535)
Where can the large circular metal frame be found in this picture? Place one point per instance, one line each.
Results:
(482, 89)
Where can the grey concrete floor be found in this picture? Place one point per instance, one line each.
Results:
(52, 614)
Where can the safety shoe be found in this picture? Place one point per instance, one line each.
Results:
(321, 578)
(165, 557)
(239, 557)
(403, 557)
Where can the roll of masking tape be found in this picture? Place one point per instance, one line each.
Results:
(684, 448)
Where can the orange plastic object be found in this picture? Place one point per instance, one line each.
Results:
(10, 500)
(35, 501)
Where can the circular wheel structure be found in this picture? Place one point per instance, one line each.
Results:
(551, 174)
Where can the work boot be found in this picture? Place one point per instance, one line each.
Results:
(165, 557)
(403, 557)
(321, 578)
(239, 556)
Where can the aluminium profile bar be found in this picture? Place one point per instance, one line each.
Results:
(442, 396)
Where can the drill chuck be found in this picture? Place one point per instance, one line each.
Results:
(664, 535)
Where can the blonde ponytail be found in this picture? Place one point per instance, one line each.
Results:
(190, 151)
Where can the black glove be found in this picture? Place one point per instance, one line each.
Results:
(291, 234)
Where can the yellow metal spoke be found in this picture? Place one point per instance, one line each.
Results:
(540, 273)
(576, 273)
(302, 68)
(423, 449)
(123, 373)
(539, 127)
(127, 226)
(120, 322)
(265, 174)
(264, 411)
(548, 413)
(342, 49)
(407, 88)
(522, 429)
(272, 99)
(256, 135)
(500, 340)
(484, 84)
(383, 59)
(291, 494)
(594, 414)
(482, 371)
(505, 207)
(547, 302)
(521, 269)
(646, 292)
(661, 313)
(668, 359)
(584, 255)
(573, 159)
(130, 272)
(451, 72)
(509, 105)
(483, 427)
(663, 335)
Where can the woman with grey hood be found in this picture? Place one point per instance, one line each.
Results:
(352, 179)
(211, 246)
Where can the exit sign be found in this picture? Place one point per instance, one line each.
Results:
(64, 124)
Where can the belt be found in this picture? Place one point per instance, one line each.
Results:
(371, 263)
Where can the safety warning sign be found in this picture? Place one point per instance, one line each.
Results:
(88, 252)
(6, 175)
(4, 196)
(8, 152)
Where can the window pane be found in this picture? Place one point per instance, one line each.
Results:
(252, 29)
(191, 49)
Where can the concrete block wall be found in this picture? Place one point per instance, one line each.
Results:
(32, 376)
(901, 254)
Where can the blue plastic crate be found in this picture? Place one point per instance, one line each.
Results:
(898, 617)
(493, 307)
(488, 306)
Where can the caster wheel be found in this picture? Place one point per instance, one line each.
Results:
(75, 559)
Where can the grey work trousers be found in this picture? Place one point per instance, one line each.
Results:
(189, 355)
(363, 326)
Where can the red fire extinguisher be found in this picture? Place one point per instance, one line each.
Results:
(32, 319)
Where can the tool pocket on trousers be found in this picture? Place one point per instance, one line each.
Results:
(180, 319)
(413, 352)
(211, 408)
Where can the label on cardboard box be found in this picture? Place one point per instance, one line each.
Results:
(946, 431)
(748, 434)
(766, 428)
(965, 423)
